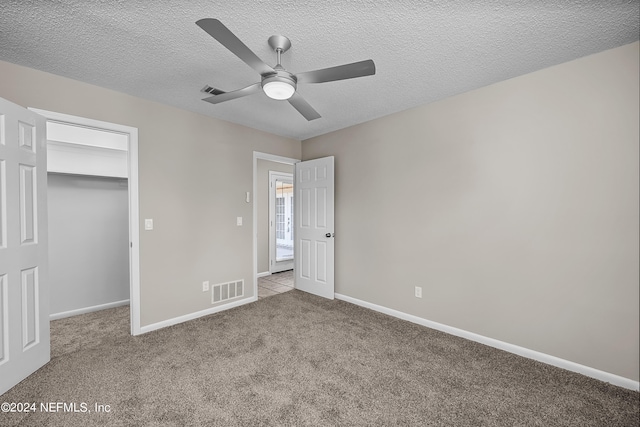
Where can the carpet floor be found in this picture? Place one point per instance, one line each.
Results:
(298, 360)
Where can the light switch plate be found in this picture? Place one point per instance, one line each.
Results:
(148, 224)
(239, 221)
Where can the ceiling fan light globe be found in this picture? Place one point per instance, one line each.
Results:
(278, 90)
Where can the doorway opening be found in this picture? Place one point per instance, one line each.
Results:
(280, 221)
(273, 223)
(86, 154)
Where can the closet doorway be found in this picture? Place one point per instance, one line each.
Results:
(93, 216)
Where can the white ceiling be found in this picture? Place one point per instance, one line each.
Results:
(423, 50)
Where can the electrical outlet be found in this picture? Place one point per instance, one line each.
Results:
(205, 286)
(418, 292)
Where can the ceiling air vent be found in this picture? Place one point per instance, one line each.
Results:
(211, 90)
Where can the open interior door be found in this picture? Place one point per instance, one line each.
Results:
(24, 292)
(314, 227)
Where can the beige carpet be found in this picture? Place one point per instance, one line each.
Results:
(298, 360)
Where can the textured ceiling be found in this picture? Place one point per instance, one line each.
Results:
(423, 50)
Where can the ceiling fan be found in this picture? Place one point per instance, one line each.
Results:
(276, 82)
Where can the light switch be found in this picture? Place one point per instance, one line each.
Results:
(239, 221)
(148, 224)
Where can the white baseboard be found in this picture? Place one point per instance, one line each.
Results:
(84, 310)
(263, 274)
(191, 316)
(511, 348)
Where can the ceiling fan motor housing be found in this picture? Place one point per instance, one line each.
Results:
(279, 85)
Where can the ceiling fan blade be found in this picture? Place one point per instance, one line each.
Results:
(226, 38)
(303, 107)
(234, 94)
(341, 72)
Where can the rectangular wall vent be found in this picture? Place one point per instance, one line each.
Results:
(225, 291)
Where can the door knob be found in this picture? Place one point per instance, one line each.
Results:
(330, 235)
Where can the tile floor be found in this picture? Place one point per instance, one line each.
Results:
(275, 284)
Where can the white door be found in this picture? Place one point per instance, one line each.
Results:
(314, 232)
(280, 221)
(24, 292)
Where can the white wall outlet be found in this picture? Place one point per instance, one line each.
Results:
(239, 221)
(148, 224)
(205, 286)
(418, 292)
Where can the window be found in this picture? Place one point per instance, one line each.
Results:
(280, 225)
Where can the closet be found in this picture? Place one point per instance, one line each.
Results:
(88, 219)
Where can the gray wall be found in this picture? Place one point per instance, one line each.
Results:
(88, 241)
(264, 166)
(194, 172)
(514, 207)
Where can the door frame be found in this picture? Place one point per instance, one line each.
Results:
(273, 262)
(272, 158)
(134, 215)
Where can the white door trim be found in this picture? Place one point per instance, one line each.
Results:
(272, 158)
(134, 228)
